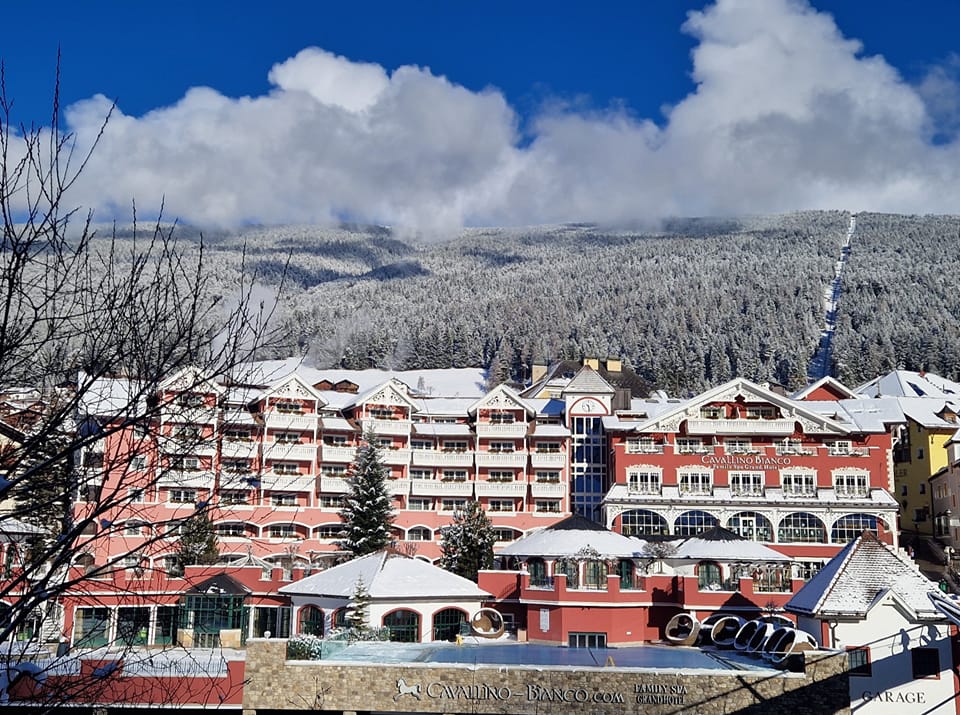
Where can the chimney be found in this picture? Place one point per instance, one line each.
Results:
(591, 362)
(537, 371)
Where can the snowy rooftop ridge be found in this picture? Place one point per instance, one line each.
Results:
(851, 583)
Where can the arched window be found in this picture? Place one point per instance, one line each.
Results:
(446, 624)
(568, 567)
(803, 528)
(419, 533)
(628, 573)
(537, 568)
(311, 621)
(643, 522)
(751, 525)
(850, 526)
(691, 523)
(708, 576)
(340, 618)
(595, 575)
(403, 625)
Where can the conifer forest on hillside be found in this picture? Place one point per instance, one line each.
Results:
(687, 305)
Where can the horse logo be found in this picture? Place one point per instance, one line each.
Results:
(404, 689)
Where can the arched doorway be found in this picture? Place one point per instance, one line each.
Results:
(446, 624)
(403, 625)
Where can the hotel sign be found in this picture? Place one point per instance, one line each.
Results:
(744, 461)
(647, 693)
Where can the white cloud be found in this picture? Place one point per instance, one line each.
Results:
(787, 114)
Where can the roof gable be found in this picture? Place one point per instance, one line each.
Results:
(295, 388)
(850, 584)
(504, 397)
(826, 388)
(811, 421)
(588, 381)
(391, 392)
(189, 379)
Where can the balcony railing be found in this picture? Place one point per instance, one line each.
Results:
(244, 450)
(288, 420)
(433, 487)
(554, 490)
(500, 489)
(401, 427)
(515, 430)
(334, 453)
(288, 482)
(501, 459)
(395, 456)
(188, 415)
(205, 446)
(398, 486)
(186, 479)
(542, 460)
(796, 452)
(740, 426)
(334, 485)
(284, 450)
(433, 458)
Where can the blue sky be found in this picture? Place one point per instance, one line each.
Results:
(435, 115)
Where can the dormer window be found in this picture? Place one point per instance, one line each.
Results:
(711, 413)
(502, 418)
(839, 448)
(382, 413)
(190, 399)
(760, 412)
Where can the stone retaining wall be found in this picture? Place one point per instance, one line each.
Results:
(276, 684)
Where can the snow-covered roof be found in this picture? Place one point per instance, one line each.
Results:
(439, 429)
(572, 535)
(905, 383)
(387, 576)
(724, 545)
(926, 411)
(866, 414)
(550, 431)
(588, 381)
(108, 396)
(852, 581)
(443, 406)
(550, 407)
(453, 382)
(13, 529)
(337, 424)
(831, 384)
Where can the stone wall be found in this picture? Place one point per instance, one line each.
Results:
(276, 684)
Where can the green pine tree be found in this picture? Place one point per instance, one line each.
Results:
(198, 541)
(359, 607)
(368, 511)
(466, 545)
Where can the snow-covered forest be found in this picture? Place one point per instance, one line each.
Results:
(687, 306)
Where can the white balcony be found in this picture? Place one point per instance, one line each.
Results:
(398, 486)
(433, 487)
(239, 450)
(501, 459)
(796, 452)
(548, 460)
(239, 417)
(330, 453)
(515, 430)
(500, 489)
(555, 490)
(293, 421)
(383, 427)
(288, 482)
(188, 415)
(396, 456)
(334, 485)
(186, 479)
(740, 427)
(204, 446)
(434, 458)
(285, 451)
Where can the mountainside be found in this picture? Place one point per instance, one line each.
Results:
(687, 306)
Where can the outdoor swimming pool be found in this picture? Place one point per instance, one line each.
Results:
(654, 657)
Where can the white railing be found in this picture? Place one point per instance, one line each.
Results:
(288, 482)
(189, 415)
(433, 487)
(548, 489)
(336, 485)
(239, 417)
(387, 426)
(244, 450)
(500, 489)
(501, 459)
(515, 430)
(796, 452)
(187, 479)
(398, 486)
(205, 446)
(395, 456)
(330, 453)
(285, 420)
(432, 458)
(740, 426)
(284, 450)
(540, 460)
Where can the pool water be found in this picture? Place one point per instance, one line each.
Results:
(532, 654)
